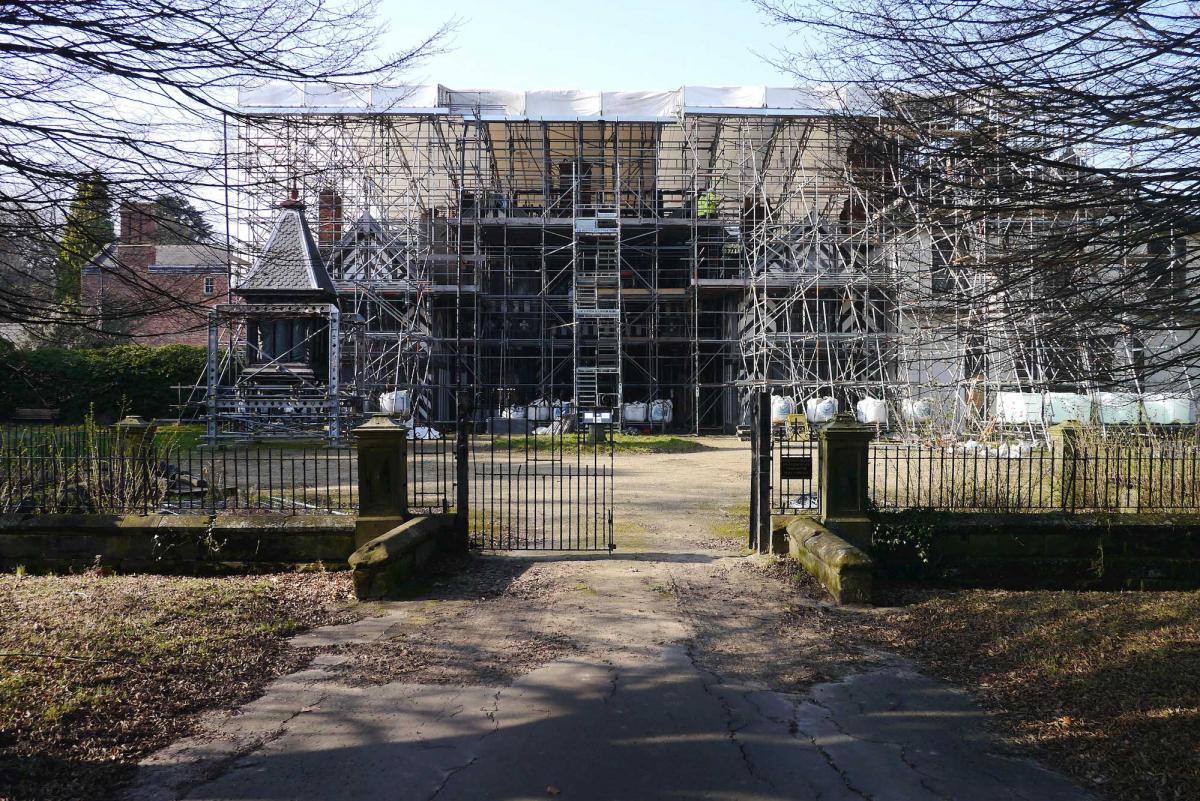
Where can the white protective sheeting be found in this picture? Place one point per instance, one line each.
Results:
(548, 104)
(270, 94)
(1168, 410)
(725, 96)
(1064, 406)
(490, 101)
(1019, 407)
(323, 95)
(285, 94)
(802, 99)
(1119, 407)
(615, 105)
(428, 95)
(561, 103)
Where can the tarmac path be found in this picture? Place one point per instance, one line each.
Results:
(674, 668)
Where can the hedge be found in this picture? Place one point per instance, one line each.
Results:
(114, 381)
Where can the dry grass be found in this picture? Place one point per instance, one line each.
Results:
(1102, 686)
(96, 671)
(621, 443)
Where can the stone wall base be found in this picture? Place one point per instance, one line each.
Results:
(177, 544)
(1126, 551)
(844, 570)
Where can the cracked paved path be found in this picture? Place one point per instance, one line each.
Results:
(668, 676)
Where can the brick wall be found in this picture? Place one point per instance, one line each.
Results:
(151, 303)
(174, 311)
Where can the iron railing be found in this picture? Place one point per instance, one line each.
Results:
(431, 469)
(1150, 476)
(99, 470)
(1092, 477)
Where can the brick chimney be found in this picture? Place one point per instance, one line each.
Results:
(136, 245)
(329, 217)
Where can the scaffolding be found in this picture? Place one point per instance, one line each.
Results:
(605, 249)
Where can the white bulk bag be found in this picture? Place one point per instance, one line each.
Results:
(539, 410)
(781, 407)
(661, 411)
(634, 413)
(395, 404)
(563, 409)
(820, 410)
(1118, 407)
(1169, 410)
(916, 410)
(1016, 450)
(515, 412)
(872, 410)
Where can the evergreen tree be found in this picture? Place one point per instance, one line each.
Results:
(89, 227)
(178, 222)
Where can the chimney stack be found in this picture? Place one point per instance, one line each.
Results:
(137, 223)
(329, 217)
(135, 247)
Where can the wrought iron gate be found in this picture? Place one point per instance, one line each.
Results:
(540, 476)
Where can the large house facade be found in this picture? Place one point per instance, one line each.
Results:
(639, 250)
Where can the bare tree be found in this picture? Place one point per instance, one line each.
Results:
(138, 91)
(1052, 149)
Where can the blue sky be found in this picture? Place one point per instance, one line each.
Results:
(602, 44)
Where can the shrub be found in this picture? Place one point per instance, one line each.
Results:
(904, 543)
(119, 380)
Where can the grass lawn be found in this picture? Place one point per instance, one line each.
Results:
(180, 436)
(1104, 687)
(622, 443)
(97, 671)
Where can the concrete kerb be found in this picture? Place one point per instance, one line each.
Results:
(844, 570)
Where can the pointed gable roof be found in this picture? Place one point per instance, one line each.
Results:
(290, 263)
(365, 226)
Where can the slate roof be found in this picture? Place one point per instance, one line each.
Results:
(290, 263)
(197, 255)
(365, 225)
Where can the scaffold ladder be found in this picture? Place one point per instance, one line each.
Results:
(597, 306)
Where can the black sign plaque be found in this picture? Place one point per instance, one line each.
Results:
(795, 467)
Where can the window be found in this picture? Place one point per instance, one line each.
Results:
(1167, 265)
(1137, 359)
(1102, 358)
(975, 357)
(943, 264)
(210, 285)
(284, 340)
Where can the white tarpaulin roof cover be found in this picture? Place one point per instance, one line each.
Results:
(544, 104)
